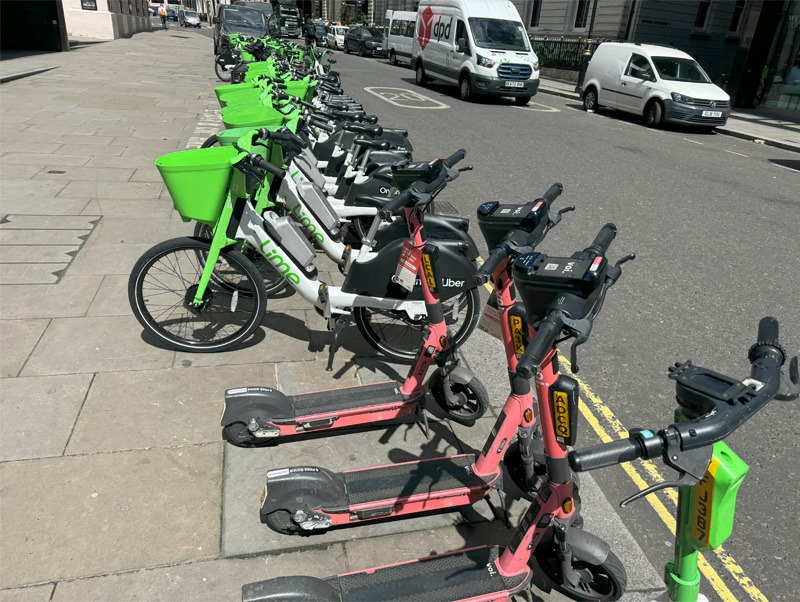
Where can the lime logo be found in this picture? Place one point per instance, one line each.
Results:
(305, 221)
(280, 263)
(561, 414)
(516, 335)
(703, 499)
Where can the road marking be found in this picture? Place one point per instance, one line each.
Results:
(694, 141)
(544, 109)
(785, 167)
(730, 564)
(734, 153)
(402, 97)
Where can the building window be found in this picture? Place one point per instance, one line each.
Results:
(581, 14)
(536, 7)
(702, 14)
(736, 17)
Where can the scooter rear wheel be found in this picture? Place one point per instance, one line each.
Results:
(238, 435)
(398, 337)
(603, 582)
(222, 74)
(473, 396)
(281, 521)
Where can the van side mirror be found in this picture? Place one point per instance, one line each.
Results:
(462, 46)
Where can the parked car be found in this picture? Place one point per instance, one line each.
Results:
(365, 41)
(171, 15)
(335, 36)
(320, 35)
(188, 18)
(237, 18)
(662, 84)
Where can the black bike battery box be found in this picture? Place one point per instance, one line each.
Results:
(496, 219)
(405, 174)
(540, 278)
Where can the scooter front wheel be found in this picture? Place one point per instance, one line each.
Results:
(603, 582)
(281, 521)
(399, 338)
(467, 402)
(163, 285)
(222, 74)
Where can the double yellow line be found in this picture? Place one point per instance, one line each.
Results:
(651, 476)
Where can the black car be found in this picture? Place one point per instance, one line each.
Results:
(320, 35)
(171, 15)
(365, 41)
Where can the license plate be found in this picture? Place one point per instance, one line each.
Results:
(514, 84)
(712, 113)
(379, 49)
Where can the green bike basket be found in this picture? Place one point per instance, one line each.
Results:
(255, 118)
(197, 180)
(227, 88)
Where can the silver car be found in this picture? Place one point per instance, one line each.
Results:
(189, 18)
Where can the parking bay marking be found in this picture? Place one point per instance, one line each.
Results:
(544, 108)
(402, 97)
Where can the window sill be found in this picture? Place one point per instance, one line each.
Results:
(700, 33)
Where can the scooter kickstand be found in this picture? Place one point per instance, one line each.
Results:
(423, 419)
(338, 326)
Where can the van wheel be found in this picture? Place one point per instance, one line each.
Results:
(653, 114)
(392, 58)
(590, 103)
(420, 76)
(464, 88)
(522, 101)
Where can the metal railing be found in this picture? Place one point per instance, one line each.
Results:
(565, 53)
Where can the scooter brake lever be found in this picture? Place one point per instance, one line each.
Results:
(684, 480)
(465, 168)
(566, 209)
(580, 329)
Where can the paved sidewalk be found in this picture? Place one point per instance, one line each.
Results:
(114, 482)
(758, 126)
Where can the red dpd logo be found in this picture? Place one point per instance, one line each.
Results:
(425, 27)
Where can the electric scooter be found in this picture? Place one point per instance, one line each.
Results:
(262, 415)
(570, 560)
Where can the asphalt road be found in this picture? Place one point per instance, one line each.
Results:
(715, 224)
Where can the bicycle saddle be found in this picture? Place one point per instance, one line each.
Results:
(373, 131)
(372, 144)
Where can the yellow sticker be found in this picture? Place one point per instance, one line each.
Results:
(703, 503)
(516, 335)
(428, 269)
(561, 414)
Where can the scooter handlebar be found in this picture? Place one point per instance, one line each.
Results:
(546, 334)
(455, 157)
(494, 261)
(552, 193)
(603, 239)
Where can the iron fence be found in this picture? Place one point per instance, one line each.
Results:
(561, 52)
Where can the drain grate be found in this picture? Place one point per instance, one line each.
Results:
(444, 208)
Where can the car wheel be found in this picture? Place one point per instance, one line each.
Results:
(464, 88)
(419, 75)
(653, 114)
(346, 48)
(590, 103)
(361, 50)
(392, 57)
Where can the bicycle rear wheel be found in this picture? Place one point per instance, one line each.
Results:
(399, 337)
(163, 284)
(274, 282)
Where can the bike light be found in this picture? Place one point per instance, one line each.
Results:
(681, 98)
(528, 415)
(566, 505)
(484, 62)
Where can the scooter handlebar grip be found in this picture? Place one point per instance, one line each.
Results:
(768, 331)
(546, 335)
(321, 125)
(606, 454)
(553, 193)
(455, 157)
(603, 239)
(494, 261)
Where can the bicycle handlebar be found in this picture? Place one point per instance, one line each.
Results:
(258, 161)
(726, 408)
(489, 267)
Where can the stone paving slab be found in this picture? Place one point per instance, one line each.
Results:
(43, 205)
(115, 190)
(111, 298)
(37, 254)
(63, 172)
(209, 581)
(20, 171)
(87, 515)
(33, 188)
(37, 414)
(44, 237)
(108, 258)
(95, 344)
(17, 340)
(37, 593)
(71, 297)
(157, 209)
(139, 230)
(48, 222)
(164, 408)
(12, 158)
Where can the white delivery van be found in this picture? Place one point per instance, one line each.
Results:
(658, 82)
(400, 28)
(481, 45)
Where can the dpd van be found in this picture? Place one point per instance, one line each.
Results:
(481, 45)
(400, 28)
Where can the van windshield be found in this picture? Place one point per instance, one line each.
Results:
(498, 34)
(675, 69)
(235, 16)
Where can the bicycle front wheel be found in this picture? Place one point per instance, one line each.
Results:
(162, 287)
(399, 337)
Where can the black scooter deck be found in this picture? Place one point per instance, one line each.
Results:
(455, 576)
(337, 400)
(412, 478)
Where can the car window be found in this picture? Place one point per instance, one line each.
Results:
(243, 17)
(639, 67)
(461, 31)
(680, 70)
